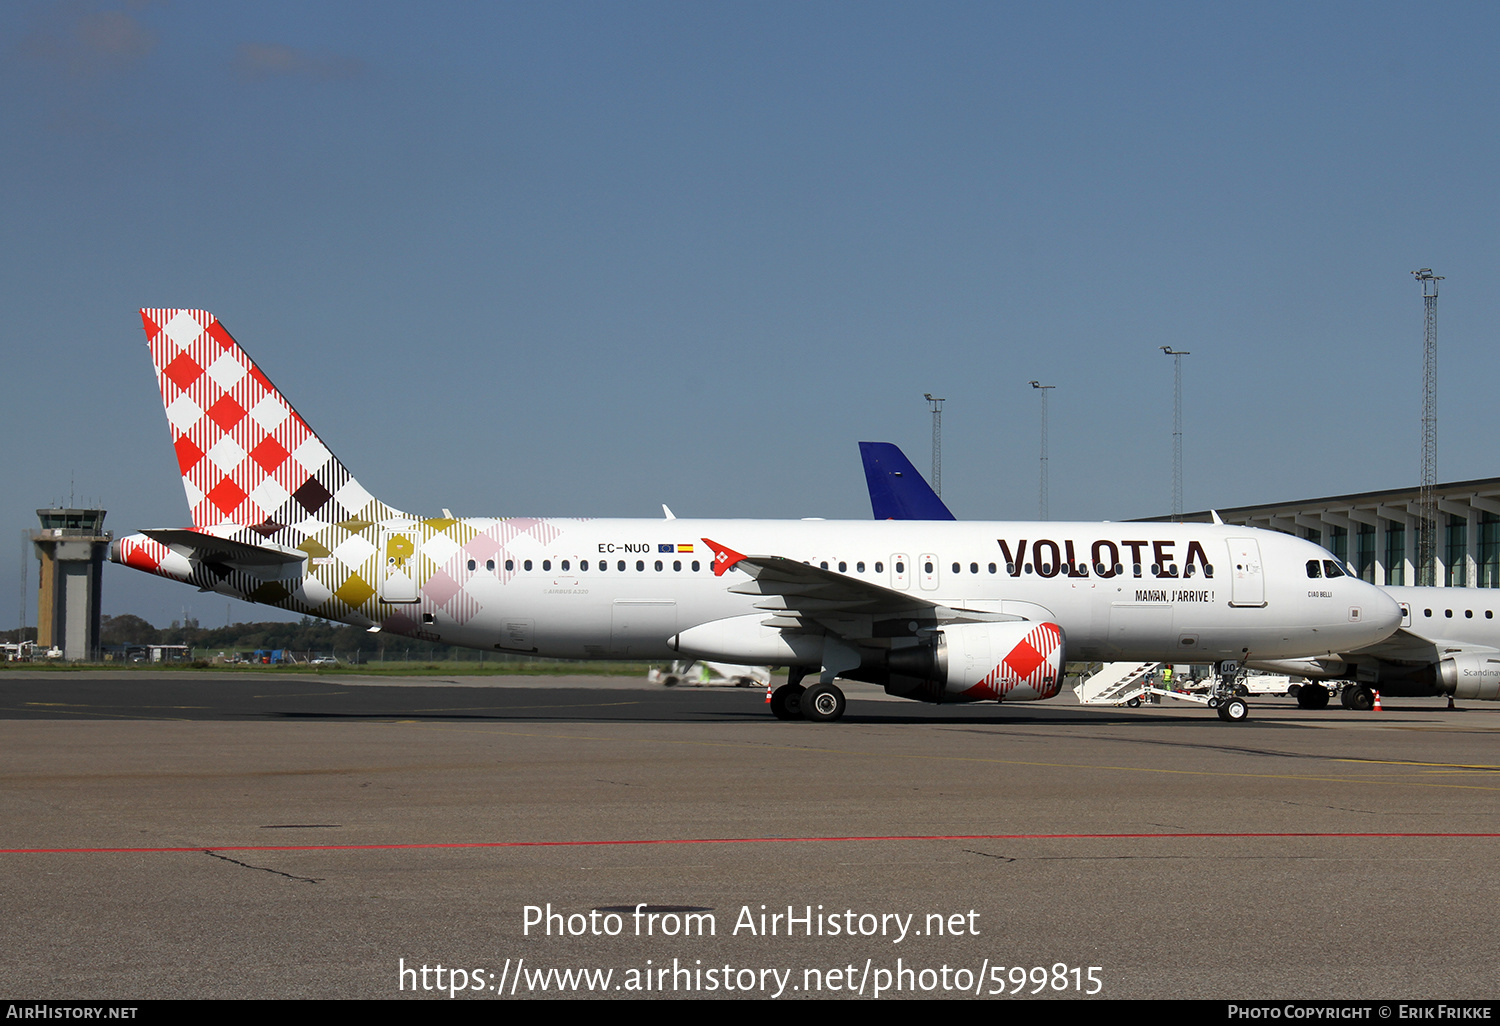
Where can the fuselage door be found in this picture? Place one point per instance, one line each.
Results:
(1248, 582)
(399, 550)
(639, 628)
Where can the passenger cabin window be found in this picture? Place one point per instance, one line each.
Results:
(472, 564)
(489, 564)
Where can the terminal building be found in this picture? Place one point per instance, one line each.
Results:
(1376, 532)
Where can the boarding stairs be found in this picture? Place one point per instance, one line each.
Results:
(1115, 683)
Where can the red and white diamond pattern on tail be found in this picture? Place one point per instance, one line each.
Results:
(1035, 662)
(246, 456)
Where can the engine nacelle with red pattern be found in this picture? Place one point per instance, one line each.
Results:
(1001, 662)
(975, 662)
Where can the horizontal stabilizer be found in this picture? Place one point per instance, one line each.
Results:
(208, 548)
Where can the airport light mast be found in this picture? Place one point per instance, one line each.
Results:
(1176, 355)
(937, 442)
(1042, 491)
(1427, 512)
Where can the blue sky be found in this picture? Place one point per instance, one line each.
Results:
(583, 259)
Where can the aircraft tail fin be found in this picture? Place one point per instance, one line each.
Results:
(248, 459)
(897, 490)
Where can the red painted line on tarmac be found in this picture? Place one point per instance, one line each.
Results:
(726, 840)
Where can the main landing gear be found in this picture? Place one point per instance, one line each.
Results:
(1312, 696)
(820, 703)
(786, 702)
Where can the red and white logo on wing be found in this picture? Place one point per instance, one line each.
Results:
(1034, 662)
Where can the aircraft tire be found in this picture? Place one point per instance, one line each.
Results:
(786, 702)
(1360, 699)
(1312, 696)
(822, 703)
(1236, 710)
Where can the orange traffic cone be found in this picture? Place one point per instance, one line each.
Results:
(1377, 702)
(768, 694)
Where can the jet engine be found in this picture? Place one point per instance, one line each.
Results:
(1471, 675)
(1002, 662)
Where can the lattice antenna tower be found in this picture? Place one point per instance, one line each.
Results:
(1176, 355)
(1427, 512)
(1042, 492)
(937, 441)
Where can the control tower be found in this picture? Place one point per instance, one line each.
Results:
(71, 547)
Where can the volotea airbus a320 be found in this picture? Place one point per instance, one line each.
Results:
(941, 612)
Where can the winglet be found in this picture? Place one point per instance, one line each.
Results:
(724, 558)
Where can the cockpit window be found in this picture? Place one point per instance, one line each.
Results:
(1314, 568)
(1332, 569)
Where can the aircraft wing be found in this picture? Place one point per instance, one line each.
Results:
(1405, 646)
(794, 592)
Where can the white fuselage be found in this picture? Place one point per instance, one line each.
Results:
(1181, 591)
